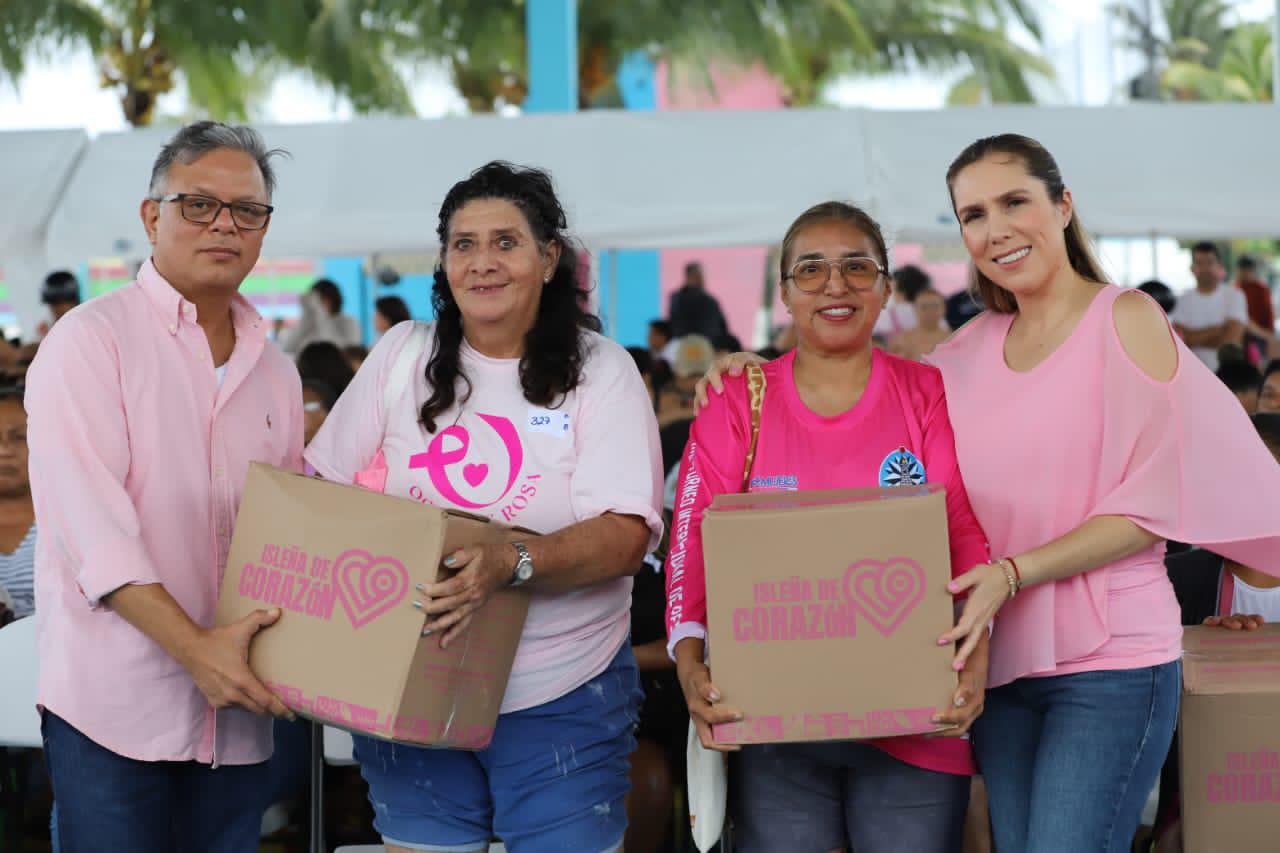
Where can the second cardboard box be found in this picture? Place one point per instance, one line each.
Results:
(824, 610)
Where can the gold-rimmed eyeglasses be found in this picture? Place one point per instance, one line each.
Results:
(810, 274)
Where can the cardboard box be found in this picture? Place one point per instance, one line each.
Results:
(341, 564)
(824, 611)
(1229, 739)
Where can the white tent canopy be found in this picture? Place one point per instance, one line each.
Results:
(34, 168)
(629, 180)
(1192, 171)
(692, 179)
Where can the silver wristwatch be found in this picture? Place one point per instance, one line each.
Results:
(523, 571)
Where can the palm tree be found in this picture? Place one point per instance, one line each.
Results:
(223, 51)
(804, 43)
(1244, 72)
(809, 43)
(1194, 31)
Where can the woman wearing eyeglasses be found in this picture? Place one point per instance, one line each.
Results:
(1088, 434)
(837, 413)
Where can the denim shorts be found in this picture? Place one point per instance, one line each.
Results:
(843, 795)
(553, 779)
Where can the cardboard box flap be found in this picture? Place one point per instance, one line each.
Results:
(276, 485)
(819, 497)
(470, 516)
(1216, 661)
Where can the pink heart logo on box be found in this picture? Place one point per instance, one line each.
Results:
(885, 592)
(475, 474)
(369, 586)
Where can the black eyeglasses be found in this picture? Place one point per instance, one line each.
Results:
(858, 273)
(203, 209)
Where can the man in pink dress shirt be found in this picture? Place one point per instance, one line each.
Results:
(145, 407)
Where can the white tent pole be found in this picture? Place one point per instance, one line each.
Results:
(1275, 55)
(611, 290)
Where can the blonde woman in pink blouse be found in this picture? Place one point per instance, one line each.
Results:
(1087, 434)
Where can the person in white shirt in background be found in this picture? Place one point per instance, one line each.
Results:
(322, 320)
(1212, 314)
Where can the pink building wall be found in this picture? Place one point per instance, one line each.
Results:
(948, 276)
(736, 276)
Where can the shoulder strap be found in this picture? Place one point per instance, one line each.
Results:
(401, 374)
(755, 392)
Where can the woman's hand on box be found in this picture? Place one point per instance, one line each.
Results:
(1236, 622)
(988, 588)
(970, 695)
(478, 572)
(701, 695)
(731, 364)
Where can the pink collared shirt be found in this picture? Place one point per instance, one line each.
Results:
(138, 457)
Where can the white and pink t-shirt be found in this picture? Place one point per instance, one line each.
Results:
(498, 455)
(897, 434)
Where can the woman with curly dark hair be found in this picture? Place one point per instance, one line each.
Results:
(520, 410)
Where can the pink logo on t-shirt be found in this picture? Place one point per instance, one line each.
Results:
(442, 465)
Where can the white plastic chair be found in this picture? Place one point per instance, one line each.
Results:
(338, 747)
(19, 722)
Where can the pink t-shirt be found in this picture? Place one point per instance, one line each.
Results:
(498, 455)
(897, 434)
(1087, 433)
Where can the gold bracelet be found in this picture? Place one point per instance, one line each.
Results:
(1009, 576)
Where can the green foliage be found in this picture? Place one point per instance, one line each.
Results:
(223, 50)
(805, 44)
(226, 52)
(1204, 56)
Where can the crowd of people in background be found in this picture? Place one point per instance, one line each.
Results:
(76, 395)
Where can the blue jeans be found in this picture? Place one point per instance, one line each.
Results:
(1069, 760)
(106, 802)
(813, 797)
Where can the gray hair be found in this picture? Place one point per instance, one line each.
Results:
(200, 138)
